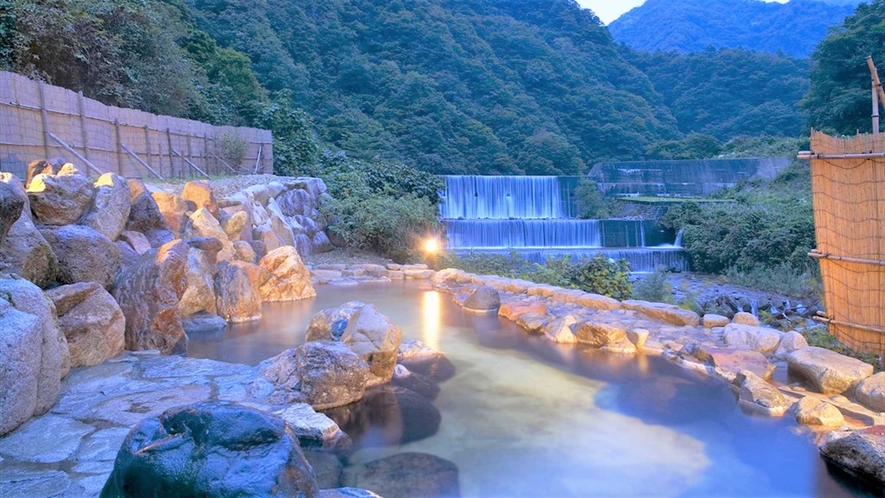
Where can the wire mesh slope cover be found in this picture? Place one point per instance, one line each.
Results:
(849, 217)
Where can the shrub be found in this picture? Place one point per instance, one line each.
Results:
(600, 275)
(232, 148)
(591, 203)
(654, 287)
(781, 279)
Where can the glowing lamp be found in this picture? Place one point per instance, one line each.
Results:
(431, 246)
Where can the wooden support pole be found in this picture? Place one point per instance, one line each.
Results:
(171, 159)
(147, 144)
(143, 163)
(75, 154)
(44, 118)
(119, 150)
(189, 153)
(875, 110)
(192, 165)
(83, 134)
(222, 161)
(258, 161)
(877, 84)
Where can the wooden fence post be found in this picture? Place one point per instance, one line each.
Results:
(119, 151)
(171, 160)
(83, 134)
(44, 118)
(147, 143)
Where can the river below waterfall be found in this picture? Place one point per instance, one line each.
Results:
(526, 417)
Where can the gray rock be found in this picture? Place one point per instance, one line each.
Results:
(813, 411)
(420, 384)
(91, 320)
(326, 467)
(203, 324)
(325, 374)
(84, 255)
(743, 318)
(758, 395)
(60, 199)
(561, 330)
(829, 372)
(762, 339)
(861, 452)
(407, 475)
(211, 449)
(791, 341)
(308, 424)
(145, 216)
(533, 323)
(46, 439)
(347, 493)
(11, 206)
(110, 206)
(42, 167)
(237, 299)
(598, 334)
(24, 251)
(200, 292)
(33, 483)
(417, 357)
(665, 312)
(483, 299)
(712, 320)
(871, 392)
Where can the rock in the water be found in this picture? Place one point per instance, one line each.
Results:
(758, 395)
(149, 293)
(813, 411)
(791, 341)
(512, 309)
(665, 312)
(828, 371)
(174, 210)
(871, 392)
(84, 255)
(289, 278)
(33, 353)
(388, 416)
(762, 339)
(347, 493)
(91, 321)
(145, 216)
(483, 299)
(533, 323)
(562, 330)
(24, 251)
(418, 357)
(598, 334)
(202, 195)
(327, 469)
(325, 374)
(330, 323)
(730, 362)
(308, 424)
(861, 452)
(712, 320)
(237, 300)
(61, 199)
(11, 206)
(623, 346)
(407, 475)
(421, 384)
(200, 292)
(203, 324)
(744, 318)
(211, 449)
(637, 337)
(110, 206)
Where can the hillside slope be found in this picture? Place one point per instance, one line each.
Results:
(793, 28)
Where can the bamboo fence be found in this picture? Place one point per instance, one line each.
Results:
(849, 218)
(41, 121)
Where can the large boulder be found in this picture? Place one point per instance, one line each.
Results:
(110, 206)
(289, 278)
(234, 224)
(828, 371)
(407, 475)
(91, 320)
(421, 358)
(202, 195)
(200, 293)
(561, 330)
(24, 251)
(237, 300)
(149, 293)
(861, 452)
(42, 167)
(324, 374)
(756, 394)
(598, 334)
(791, 341)
(813, 411)
(364, 330)
(203, 225)
(483, 299)
(871, 392)
(33, 353)
(297, 202)
(665, 312)
(762, 339)
(60, 199)
(279, 224)
(145, 216)
(84, 255)
(420, 384)
(11, 206)
(211, 449)
(744, 318)
(174, 210)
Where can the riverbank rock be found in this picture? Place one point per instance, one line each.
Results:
(237, 300)
(712, 320)
(561, 330)
(33, 353)
(84, 255)
(532, 323)
(762, 339)
(199, 295)
(511, 310)
(110, 206)
(60, 199)
(23, 250)
(758, 395)
(744, 318)
(871, 392)
(324, 374)
(861, 452)
(483, 299)
(419, 357)
(145, 216)
(813, 411)
(149, 293)
(829, 372)
(408, 475)
(598, 334)
(289, 278)
(211, 449)
(91, 320)
(669, 313)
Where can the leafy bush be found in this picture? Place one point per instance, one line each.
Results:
(598, 274)
(591, 203)
(232, 148)
(781, 279)
(654, 287)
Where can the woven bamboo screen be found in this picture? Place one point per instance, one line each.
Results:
(849, 218)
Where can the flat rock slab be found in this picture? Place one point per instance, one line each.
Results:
(732, 361)
(829, 372)
(45, 439)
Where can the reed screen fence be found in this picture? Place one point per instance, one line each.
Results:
(41, 121)
(848, 185)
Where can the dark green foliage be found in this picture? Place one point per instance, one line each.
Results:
(793, 28)
(592, 204)
(654, 287)
(693, 146)
(728, 92)
(296, 150)
(839, 99)
(598, 274)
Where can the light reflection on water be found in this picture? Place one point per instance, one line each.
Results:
(526, 417)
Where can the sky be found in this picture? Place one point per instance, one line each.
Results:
(609, 10)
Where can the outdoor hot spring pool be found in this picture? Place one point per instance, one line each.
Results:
(526, 417)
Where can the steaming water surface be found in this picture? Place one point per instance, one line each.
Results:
(525, 417)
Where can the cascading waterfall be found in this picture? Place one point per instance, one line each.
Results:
(527, 214)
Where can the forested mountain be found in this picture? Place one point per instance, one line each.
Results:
(450, 86)
(793, 28)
